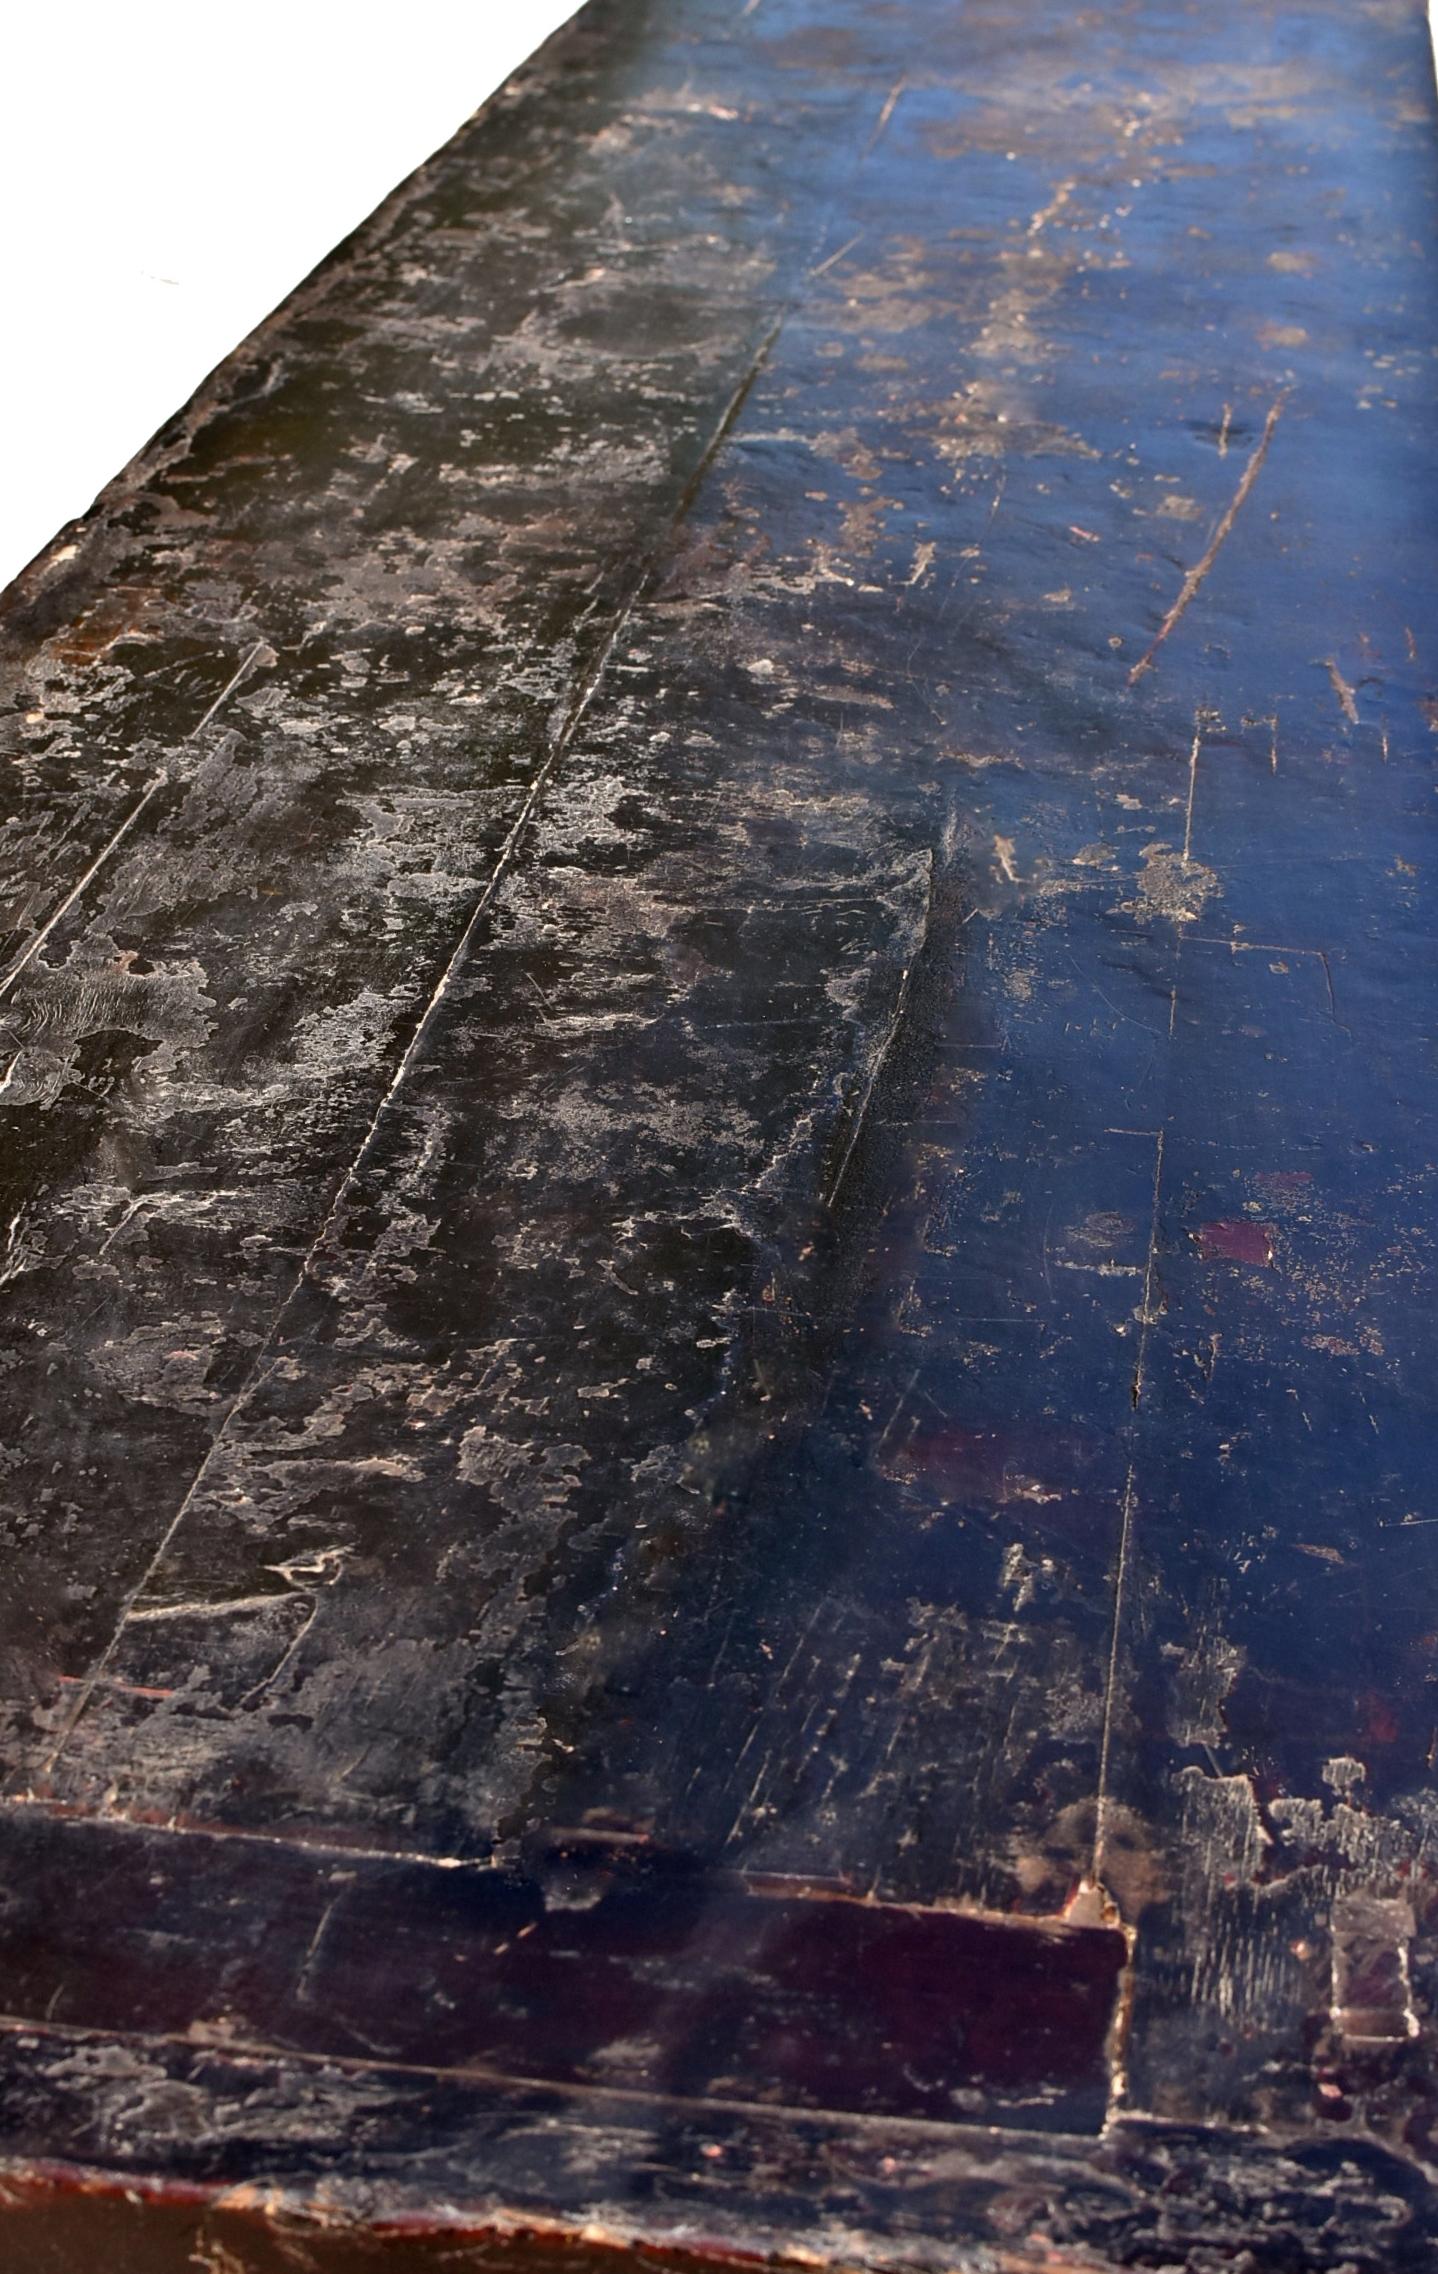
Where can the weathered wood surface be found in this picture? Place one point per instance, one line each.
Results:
(718, 1091)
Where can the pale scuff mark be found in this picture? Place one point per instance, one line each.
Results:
(1172, 886)
(211, 2256)
(1372, 1988)
(1055, 205)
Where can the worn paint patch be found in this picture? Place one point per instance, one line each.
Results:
(1237, 1239)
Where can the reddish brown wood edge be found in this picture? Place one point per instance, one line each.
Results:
(75, 2217)
(619, 1970)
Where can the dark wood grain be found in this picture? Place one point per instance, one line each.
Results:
(717, 1098)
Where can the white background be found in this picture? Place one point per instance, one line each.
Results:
(169, 170)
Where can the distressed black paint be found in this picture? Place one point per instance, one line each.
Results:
(717, 1094)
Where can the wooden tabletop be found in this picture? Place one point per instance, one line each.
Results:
(717, 1190)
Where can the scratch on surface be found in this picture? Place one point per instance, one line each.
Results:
(259, 653)
(891, 104)
(900, 1407)
(1342, 688)
(21, 1806)
(15, 1259)
(1216, 542)
(901, 1002)
(77, 891)
(1270, 720)
(824, 266)
(307, 1963)
(376, 2060)
(1102, 1806)
(545, 1006)
(1281, 947)
(123, 1689)
(1198, 720)
(1146, 1315)
(1223, 430)
(261, 656)
(287, 1656)
(201, 1610)
(544, 774)
(146, 1203)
